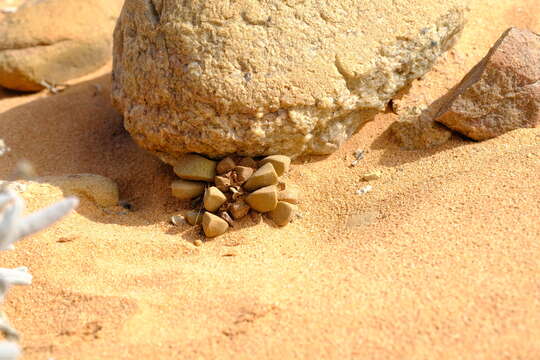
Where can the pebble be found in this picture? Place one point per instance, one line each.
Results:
(264, 199)
(193, 217)
(283, 213)
(186, 190)
(375, 175)
(195, 167)
(243, 173)
(213, 225)
(223, 182)
(177, 220)
(290, 195)
(364, 190)
(213, 199)
(198, 243)
(265, 176)
(281, 163)
(239, 209)
(225, 165)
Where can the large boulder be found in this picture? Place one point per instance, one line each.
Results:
(51, 41)
(257, 78)
(501, 93)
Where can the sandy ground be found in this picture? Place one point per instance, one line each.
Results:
(443, 262)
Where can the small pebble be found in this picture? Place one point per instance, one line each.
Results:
(195, 167)
(225, 165)
(213, 199)
(283, 213)
(193, 217)
(187, 190)
(198, 243)
(213, 225)
(264, 199)
(177, 220)
(281, 163)
(364, 190)
(265, 176)
(239, 209)
(375, 175)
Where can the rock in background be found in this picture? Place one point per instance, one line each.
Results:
(501, 93)
(53, 41)
(257, 79)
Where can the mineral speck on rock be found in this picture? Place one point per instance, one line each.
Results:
(501, 93)
(262, 78)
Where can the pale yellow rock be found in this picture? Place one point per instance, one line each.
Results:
(194, 217)
(99, 189)
(225, 165)
(186, 190)
(291, 195)
(281, 163)
(265, 176)
(243, 173)
(213, 225)
(257, 78)
(374, 175)
(213, 199)
(195, 167)
(283, 213)
(263, 200)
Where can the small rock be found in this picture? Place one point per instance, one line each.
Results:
(501, 93)
(213, 199)
(290, 194)
(193, 217)
(223, 182)
(264, 176)
(374, 175)
(281, 163)
(198, 243)
(264, 199)
(243, 173)
(177, 220)
(187, 190)
(213, 225)
(239, 209)
(247, 162)
(195, 167)
(283, 213)
(364, 190)
(99, 189)
(225, 165)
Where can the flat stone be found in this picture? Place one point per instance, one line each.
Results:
(281, 163)
(239, 209)
(263, 200)
(195, 167)
(374, 175)
(283, 213)
(264, 176)
(99, 189)
(194, 217)
(291, 195)
(225, 166)
(213, 225)
(55, 40)
(213, 199)
(291, 78)
(501, 93)
(187, 190)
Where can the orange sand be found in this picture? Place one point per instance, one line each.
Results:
(444, 263)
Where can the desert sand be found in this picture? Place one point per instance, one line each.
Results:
(441, 260)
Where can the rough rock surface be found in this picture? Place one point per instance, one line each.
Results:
(54, 41)
(275, 77)
(501, 93)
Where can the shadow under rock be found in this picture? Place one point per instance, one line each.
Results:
(394, 155)
(78, 131)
